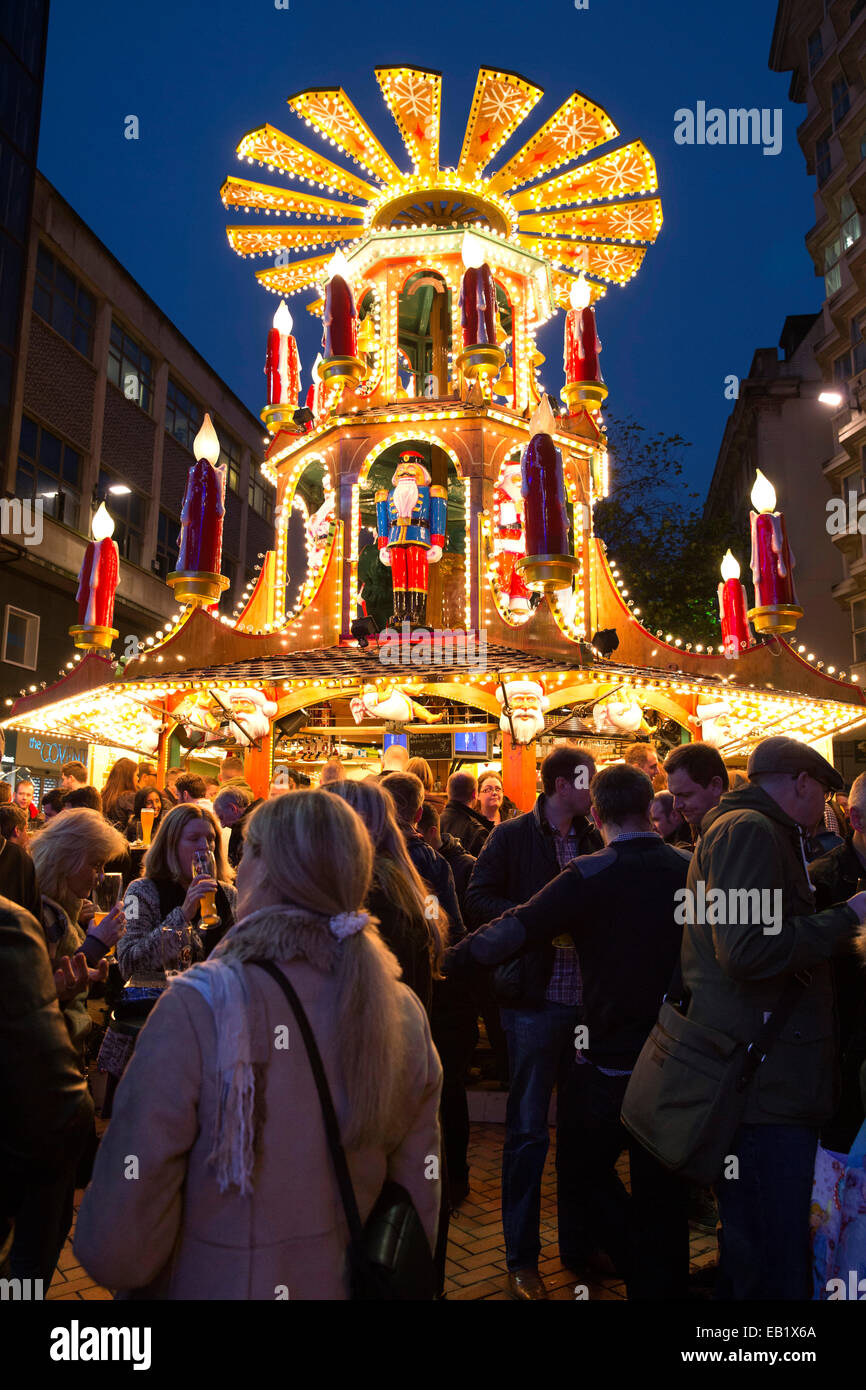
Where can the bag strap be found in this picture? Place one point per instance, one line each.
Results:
(332, 1128)
(757, 1050)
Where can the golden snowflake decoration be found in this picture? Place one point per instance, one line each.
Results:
(599, 216)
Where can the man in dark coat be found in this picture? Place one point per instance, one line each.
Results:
(742, 947)
(541, 999)
(618, 907)
(837, 876)
(18, 878)
(459, 819)
(46, 1106)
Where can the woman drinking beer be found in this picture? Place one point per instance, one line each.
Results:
(174, 903)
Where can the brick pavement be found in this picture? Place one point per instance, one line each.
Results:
(476, 1251)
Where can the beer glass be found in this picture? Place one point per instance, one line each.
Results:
(147, 817)
(204, 865)
(106, 895)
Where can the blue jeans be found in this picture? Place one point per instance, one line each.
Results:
(541, 1055)
(765, 1214)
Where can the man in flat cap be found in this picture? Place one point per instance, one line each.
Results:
(738, 957)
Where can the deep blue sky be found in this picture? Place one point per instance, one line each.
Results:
(729, 265)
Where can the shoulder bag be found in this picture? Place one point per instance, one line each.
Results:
(687, 1093)
(389, 1257)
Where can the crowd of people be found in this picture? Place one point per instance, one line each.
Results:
(401, 917)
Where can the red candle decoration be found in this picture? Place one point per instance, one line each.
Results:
(772, 562)
(340, 317)
(776, 608)
(582, 345)
(584, 383)
(97, 580)
(545, 520)
(477, 295)
(282, 367)
(201, 517)
(733, 614)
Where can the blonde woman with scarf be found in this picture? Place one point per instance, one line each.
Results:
(235, 1195)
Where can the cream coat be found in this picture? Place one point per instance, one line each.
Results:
(172, 1230)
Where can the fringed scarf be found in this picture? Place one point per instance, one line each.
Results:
(243, 1047)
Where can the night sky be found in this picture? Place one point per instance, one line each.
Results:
(729, 264)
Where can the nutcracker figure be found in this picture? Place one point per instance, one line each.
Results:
(509, 543)
(410, 521)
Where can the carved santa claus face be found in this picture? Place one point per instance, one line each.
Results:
(527, 703)
(510, 483)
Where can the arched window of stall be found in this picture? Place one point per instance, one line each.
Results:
(424, 333)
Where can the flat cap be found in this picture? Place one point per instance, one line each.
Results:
(781, 754)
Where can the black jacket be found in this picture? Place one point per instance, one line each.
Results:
(18, 878)
(835, 876)
(409, 944)
(46, 1107)
(436, 873)
(618, 905)
(517, 861)
(466, 825)
(461, 863)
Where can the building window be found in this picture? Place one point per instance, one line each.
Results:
(858, 624)
(230, 458)
(20, 637)
(832, 269)
(129, 515)
(850, 222)
(858, 347)
(823, 165)
(183, 416)
(842, 368)
(48, 471)
(841, 101)
(130, 368)
(816, 49)
(167, 543)
(62, 301)
(260, 496)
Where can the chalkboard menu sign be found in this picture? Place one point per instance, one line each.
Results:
(430, 746)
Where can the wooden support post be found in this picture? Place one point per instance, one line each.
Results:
(257, 761)
(518, 772)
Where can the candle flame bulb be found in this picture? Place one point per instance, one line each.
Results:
(472, 251)
(730, 567)
(206, 445)
(282, 318)
(102, 525)
(543, 419)
(338, 265)
(580, 294)
(763, 493)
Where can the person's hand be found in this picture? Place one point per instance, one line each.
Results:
(858, 902)
(85, 913)
(434, 553)
(111, 928)
(74, 976)
(385, 556)
(194, 894)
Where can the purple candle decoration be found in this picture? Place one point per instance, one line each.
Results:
(543, 488)
(477, 294)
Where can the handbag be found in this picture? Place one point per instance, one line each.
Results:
(687, 1093)
(389, 1257)
(837, 1223)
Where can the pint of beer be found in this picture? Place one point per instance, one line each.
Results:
(203, 863)
(147, 818)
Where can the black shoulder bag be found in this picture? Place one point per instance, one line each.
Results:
(390, 1257)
